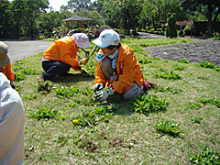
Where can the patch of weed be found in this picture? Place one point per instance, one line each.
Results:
(193, 105)
(148, 103)
(203, 77)
(206, 64)
(45, 87)
(144, 61)
(168, 75)
(47, 113)
(178, 67)
(206, 100)
(196, 120)
(207, 156)
(168, 127)
(66, 92)
(94, 116)
(183, 61)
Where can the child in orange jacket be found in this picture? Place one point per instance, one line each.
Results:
(118, 67)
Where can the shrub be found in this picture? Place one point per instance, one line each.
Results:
(181, 33)
(171, 30)
(187, 30)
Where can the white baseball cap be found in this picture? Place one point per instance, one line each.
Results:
(81, 40)
(4, 58)
(106, 38)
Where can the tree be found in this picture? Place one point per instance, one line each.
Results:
(4, 17)
(197, 5)
(17, 8)
(32, 11)
(157, 10)
(48, 21)
(78, 5)
(97, 18)
(131, 10)
(120, 12)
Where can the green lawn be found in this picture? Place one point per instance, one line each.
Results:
(173, 124)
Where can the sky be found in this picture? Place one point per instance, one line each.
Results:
(57, 3)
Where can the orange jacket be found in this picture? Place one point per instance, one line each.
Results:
(63, 50)
(127, 68)
(8, 72)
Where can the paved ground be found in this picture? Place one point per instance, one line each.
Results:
(22, 49)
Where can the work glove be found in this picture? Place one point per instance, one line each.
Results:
(98, 87)
(83, 61)
(148, 85)
(103, 95)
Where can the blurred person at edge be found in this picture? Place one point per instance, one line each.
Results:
(5, 65)
(11, 122)
(62, 55)
(118, 67)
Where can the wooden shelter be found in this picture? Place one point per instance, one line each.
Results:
(79, 19)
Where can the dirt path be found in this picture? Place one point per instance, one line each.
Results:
(206, 50)
(201, 50)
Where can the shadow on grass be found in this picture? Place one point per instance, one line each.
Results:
(73, 78)
(125, 107)
(118, 104)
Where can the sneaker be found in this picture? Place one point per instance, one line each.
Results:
(41, 78)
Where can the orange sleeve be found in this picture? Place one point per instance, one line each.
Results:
(100, 76)
(126, 79)
(8, 72)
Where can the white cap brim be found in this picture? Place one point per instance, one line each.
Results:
(99, 43)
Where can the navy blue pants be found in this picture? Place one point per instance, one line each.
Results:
(54, 68)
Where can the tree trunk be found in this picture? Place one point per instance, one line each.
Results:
(32, 30)
(214, 20)
(153, 22)
(209, 26)
(128, 27)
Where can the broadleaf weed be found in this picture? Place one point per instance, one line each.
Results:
(148, 103)
(66, 92)
(207, 156)
(47, 113)
(168, 127)
(168, 75)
